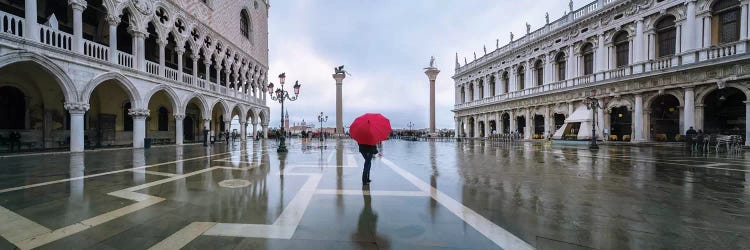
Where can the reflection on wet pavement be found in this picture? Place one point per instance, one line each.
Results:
(443, 195)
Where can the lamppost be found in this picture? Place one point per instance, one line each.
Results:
(281, 95)
(410, 125)
(592, 103)
(322, 119)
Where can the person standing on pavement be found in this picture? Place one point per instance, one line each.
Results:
(367, 151)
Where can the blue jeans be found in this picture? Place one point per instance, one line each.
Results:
(368, 164)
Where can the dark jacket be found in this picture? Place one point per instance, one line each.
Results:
(368, 149)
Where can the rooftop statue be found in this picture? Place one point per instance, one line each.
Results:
(432, 61)
(546, 17)
(570, 6)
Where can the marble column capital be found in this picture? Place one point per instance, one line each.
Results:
(206, 120)
(78, 4)
(139, 113)
(112, 20)
(76, 107)
(179, 116)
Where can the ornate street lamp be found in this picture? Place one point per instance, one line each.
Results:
(322, 119)
(281, 95)
(410, 125)
(592, 103)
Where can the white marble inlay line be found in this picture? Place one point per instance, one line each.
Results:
(492, 231)
(371, 192)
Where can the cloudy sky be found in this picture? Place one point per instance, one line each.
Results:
(385, 44)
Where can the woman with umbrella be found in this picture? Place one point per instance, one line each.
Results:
(369, 130)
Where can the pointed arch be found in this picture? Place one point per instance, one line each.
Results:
(201, 99)
(128, 86)
(224, 105)
(170, 92)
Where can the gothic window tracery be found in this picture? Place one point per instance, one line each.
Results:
(245, 24)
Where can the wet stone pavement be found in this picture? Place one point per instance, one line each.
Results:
(424, 195)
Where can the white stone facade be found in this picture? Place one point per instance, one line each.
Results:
(113, 72)
(658, 67)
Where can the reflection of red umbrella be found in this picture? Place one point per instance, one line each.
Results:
(370, 129)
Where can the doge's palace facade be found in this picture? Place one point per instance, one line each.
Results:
(658, 67)
(90, 73)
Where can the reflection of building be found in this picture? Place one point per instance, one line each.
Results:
(112, 72)
(659, 67)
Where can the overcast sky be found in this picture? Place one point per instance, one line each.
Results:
(385, 44)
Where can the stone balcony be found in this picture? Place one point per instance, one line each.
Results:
(50, 40)
(692, 59)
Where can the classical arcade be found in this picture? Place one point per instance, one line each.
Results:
(98, 73)
(657, 68)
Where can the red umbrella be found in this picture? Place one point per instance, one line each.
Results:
(370, 129)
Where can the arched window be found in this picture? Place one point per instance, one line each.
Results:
(521, 78)
(561, 67)
(127, 120)
(506, 82)
(622, 49)
(245, 24)
(539, 71)
(727, 13)
(463, 95)
(666, 37)
(163, 119)
(588, 58)
(12, 108)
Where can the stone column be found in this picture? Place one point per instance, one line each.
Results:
(243, 131)
(162, 57)
(179, 133)
(207, 62)
(688, 43)
(638, 119)
(529, 123)
(206, 126)
(743, 21)
(571, 109)
(265, 131)
(513, 79)
(227, 72)
(77, 132)
(689, 108)
(113, 21)
(255, 130)
(651, 53)
(638, 44)
(476, 126)
(78, 7)
(600, 120)
(217, 67)
(432, 74)
(707, 31)
(139, 126)
(339, 77)
(228, 125)
(546, 122)
(570, 64)
(698, 117)
(747, 123)
(139, 54)
(486, 125)
(513, 125)
(180, 51)
(30, 27)
(601, 54)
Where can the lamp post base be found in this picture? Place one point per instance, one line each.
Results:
(282, 146)
(593, 145)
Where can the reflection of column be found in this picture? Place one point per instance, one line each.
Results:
(432, 76)
(339, 77)
(243, 131)
(689, 109)
(77, 168)
(178, 136)
(139, 160)
(638, 119)
(178, 160)
(77, 111)
(139, 126)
